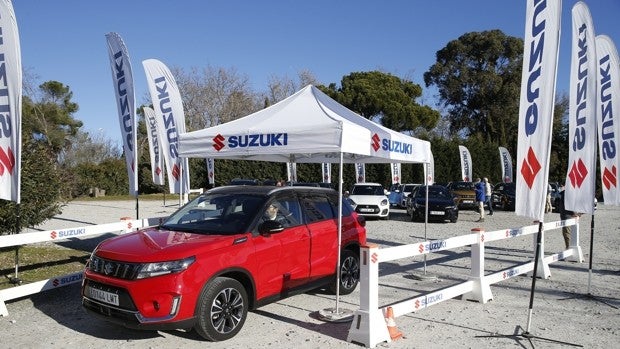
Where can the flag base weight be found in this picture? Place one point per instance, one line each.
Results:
(333, 315)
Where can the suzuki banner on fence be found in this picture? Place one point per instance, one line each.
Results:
(10, 105)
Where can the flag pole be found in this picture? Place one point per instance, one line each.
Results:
(15, 280)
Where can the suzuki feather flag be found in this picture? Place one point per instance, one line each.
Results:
(326, 169)
(581, 176)
(540, 58)
(211, 170)
(291, 171)
(395, 169)
(170, 119)
(608, 88)
(155, 151)
(10, 105)
(360, 172)
(122, 78)
(506, 161)
(466, 168)
(429, 171)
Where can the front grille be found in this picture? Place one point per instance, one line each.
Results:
(121, 270)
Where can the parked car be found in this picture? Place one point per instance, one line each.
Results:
(464, 194)
(243, 181)
(504, 196)
(441, 206)
(370, 200)
(394, 194)
(219, 256)
(406, 190)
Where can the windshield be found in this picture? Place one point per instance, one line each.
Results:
(367, 190)
(433, 192)
(463, 186)
(216, 214)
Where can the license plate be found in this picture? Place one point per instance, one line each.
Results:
(438, 213)
(468, 202)
(103, 296)
(367, 210)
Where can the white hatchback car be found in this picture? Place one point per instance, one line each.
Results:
(370, 200)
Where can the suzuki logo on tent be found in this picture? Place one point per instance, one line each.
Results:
(390, 145)
(218, 142)
(530, 168)
(250, 141)
(376, 142)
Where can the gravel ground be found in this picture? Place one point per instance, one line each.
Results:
(562, 309)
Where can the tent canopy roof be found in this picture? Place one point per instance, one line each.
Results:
(307, 127)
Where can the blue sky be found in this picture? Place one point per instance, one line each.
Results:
(64, 40)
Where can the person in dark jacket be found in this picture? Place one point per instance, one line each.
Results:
(480, 190)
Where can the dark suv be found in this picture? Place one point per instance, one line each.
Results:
(232, 249)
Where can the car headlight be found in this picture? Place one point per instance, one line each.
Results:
(384, 202)
(161, 268)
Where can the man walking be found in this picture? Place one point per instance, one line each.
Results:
(480, 197)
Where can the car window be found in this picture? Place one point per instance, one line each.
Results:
(216, 214)
(317, 208)
(367, 190)
(285, 210)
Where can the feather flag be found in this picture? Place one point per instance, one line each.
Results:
(326, 172)
(155, 149)
(537, 100)
(10, 105)
(395, 171)
(122, 78)
(581, 176)
(211, 170)
(608, 88)
(360, 172)
(170, 119)
(506, 161)
(466, 166)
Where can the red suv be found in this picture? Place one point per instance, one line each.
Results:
(232, 249)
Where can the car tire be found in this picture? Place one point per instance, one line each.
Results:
(221, 309)
(349, 273)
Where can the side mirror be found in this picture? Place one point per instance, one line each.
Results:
(270, 227)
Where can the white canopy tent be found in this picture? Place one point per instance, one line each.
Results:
(307, 127)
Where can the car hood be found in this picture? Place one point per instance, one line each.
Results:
(153, 244)
(367, 199)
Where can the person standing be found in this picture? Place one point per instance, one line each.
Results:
(565, 214)
(487, 195)
(480, 190)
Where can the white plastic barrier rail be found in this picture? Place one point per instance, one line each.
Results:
(369, 321)
(122, 227)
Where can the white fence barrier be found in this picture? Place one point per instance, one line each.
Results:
(369, 321)
(122, 227)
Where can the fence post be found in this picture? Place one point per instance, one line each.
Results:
(574, 243)
(482, 289)
(369, 327)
